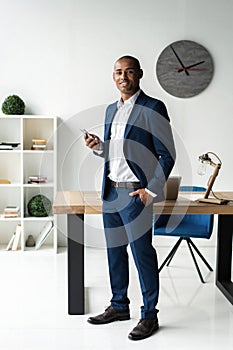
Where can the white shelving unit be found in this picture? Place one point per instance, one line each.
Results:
(17, 164)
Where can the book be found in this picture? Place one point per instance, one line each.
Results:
(6, 147)
(38, 147)
(43, 235)
(5, 181)
(39, 141)
(11, 208)
(15, 243)
(37, 177)
(9, 245)
(11, 215)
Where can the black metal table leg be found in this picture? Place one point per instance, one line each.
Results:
(224, 256)
(75, 264)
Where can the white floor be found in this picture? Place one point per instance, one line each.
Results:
(33, 306)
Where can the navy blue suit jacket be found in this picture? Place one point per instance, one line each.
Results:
(148, 144)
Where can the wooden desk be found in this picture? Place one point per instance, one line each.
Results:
(76, 204)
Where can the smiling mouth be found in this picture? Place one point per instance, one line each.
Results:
(124, 83)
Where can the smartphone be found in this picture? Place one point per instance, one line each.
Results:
(84, 131)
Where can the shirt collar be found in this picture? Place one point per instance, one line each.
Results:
(131, 100)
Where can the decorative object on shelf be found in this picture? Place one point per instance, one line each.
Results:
(39, 206)
(13, 105)
(30, 242)
(205, 159)
(39, 144)
(43, 235)
(184, 68)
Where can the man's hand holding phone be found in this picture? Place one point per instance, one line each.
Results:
(92, 141)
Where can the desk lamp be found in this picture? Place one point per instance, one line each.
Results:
(205, 159)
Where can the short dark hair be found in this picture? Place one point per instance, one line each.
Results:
(128, 57)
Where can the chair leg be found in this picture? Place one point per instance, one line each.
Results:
(172, 252)
(195, 261)
(200, 255)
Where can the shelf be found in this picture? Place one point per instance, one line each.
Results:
(10, 219)
(48, 184)
(41, 218)
(10, 151)
(17, 165)
(10, 116)
(10, 185)
(26, 116)
(39, 152)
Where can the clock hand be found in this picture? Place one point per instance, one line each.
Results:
(182, 69)
(192, 65)
(187, 73)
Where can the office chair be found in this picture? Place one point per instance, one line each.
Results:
(187, 226)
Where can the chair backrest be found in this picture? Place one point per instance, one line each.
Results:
(189, 225)
(192, 189)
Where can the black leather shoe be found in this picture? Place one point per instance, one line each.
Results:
(110, 315)
(144, 329)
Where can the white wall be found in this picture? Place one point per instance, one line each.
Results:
(58, 56)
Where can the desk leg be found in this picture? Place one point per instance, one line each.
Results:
(224, 256)
(75, 264)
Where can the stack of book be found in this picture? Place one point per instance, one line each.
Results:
(11, 211)
(8, 145)
(39, 144)
(37, 179)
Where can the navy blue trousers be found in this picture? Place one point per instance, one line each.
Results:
(128, 222)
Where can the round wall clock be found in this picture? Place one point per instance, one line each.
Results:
(184, 68)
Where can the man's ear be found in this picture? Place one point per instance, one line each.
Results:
(140, 73)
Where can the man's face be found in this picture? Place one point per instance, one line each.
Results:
(127, 76)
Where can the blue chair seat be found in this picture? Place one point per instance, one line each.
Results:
(195, 226)
(186, 227)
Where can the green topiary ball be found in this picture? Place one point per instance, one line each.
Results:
(13, 105)
(39, 205)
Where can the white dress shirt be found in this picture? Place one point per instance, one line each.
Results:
(119, 169)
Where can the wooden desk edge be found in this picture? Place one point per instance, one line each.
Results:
(88, 202)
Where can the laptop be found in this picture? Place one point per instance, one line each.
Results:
(172, 187)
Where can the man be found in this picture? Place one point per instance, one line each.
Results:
(139, 154)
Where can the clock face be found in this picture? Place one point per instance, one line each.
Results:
(184, 68)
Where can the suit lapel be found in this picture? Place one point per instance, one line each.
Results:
(109, 119)
(141, 100)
